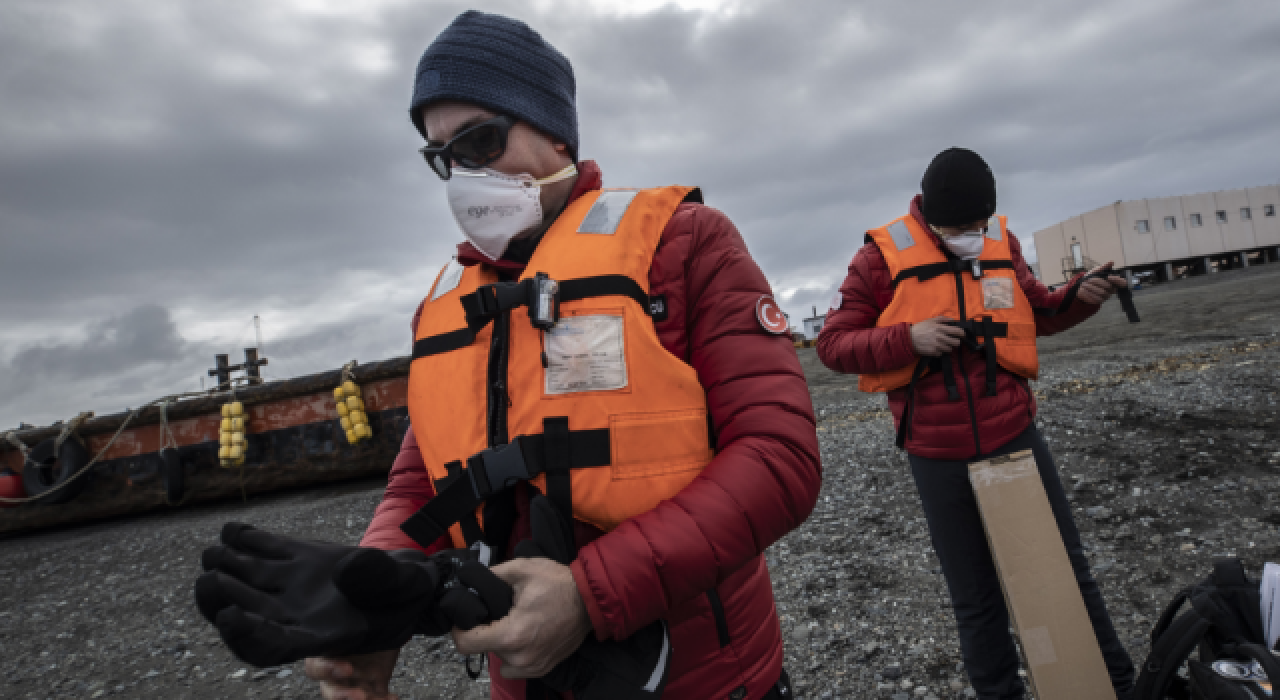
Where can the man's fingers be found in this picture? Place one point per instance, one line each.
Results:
(952, 331)
(1094, 291)
(483, 638)
(319, 668)
(329, 691)
(513, 672)
(1118, 281)
(1097, 287)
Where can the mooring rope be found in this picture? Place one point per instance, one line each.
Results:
(76, 423)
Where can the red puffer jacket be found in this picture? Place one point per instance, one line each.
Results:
(695, 560)
(940, 428)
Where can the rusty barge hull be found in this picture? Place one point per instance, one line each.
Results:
(293, 439)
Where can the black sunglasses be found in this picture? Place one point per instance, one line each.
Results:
(475, 147)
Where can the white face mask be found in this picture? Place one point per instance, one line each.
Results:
(494, 208)
(966, 246)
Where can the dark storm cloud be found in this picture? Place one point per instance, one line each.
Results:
(226, 159)
(143, 335)
(117, 357)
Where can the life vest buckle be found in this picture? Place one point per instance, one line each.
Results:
(497, 468)
(544, 301)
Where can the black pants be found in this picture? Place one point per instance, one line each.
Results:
(982, 619)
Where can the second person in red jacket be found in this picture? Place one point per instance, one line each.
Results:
(941, 313)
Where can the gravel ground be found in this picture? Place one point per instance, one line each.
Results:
(1165, 434)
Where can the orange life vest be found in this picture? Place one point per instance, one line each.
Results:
(982, 294)
(596, 414)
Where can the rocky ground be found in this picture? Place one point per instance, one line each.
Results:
(1165, 434)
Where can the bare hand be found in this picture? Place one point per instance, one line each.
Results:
(363, 677)
(1097, 290)
(547, 622)
(934, 337)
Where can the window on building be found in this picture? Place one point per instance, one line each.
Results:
(1196, 221)
(1142, 226)
(1269, 210)
(1170, 223)
(1245, 214)
(1222, 217)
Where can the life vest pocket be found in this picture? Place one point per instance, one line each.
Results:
(651, 444)
(1021, 334)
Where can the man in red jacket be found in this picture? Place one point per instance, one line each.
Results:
(940, 312)
(496, 105)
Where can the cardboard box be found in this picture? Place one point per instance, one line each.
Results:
(1049, 617)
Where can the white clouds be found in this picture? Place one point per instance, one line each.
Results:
(225, 159)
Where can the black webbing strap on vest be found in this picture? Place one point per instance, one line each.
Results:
(497, 468)
(556, 434)
(943, 362)
(487, 302)
(987, 331)
(908, 410)
(603, 286)
(1124, 294)
(984, 329)
(924, 273)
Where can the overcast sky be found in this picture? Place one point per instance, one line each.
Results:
(169, 168)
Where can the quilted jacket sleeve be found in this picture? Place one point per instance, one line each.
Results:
(765, 477)
(1041, 298)
(408, 487)
(849, 341)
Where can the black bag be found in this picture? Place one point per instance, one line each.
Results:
(1223, 622)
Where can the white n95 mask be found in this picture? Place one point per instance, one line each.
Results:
(494, 208)
(966, 246)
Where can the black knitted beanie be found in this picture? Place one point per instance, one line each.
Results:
(500, 64)
(957, 189)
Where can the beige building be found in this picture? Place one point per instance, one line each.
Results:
(1171, 236)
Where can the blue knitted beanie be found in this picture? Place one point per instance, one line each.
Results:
(500, 64)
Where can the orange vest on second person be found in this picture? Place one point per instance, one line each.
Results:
(592, 410)
(983, 294)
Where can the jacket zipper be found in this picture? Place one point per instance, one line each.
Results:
(959, 353)
(717, 612)
(497, 394)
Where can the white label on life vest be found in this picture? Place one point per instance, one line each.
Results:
(585, 353)
(997, 292)
(449, 278)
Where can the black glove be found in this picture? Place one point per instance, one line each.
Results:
(472, 594)
(635, 668)
(276, 599)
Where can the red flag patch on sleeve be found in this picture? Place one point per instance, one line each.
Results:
(770, 315)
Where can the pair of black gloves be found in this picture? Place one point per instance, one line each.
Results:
(276, 599)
